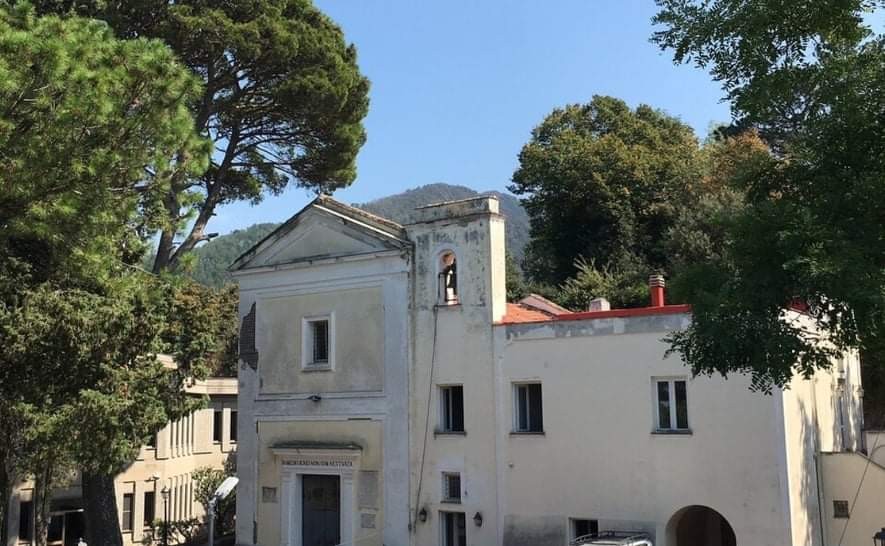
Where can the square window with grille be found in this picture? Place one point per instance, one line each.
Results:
(451, 487)
(840, 509)
(318, 343)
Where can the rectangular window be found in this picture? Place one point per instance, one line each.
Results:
(584, 527)
(233, 426)
(217, 425)
(126, 524)
(451, 487)
(25, 520)
(56, 529)
(452, 400)
(319, 329)
(152, 441)
(150, 508)
(671, 405)
(318, 343)
(454, 529)
(528, 409)
(840, 509)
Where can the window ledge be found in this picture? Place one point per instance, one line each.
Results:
(448, 305)
(450, 433)
(450, 501)
(672, 432)
(317, 368)
(527, 433)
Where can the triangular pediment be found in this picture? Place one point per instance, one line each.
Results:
(324, 229)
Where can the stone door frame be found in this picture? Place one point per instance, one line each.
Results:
(294, 463)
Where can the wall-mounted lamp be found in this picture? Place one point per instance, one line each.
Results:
(477, 519)
(422, 515)
(314, 397)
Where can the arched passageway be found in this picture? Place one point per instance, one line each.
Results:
(699, 526)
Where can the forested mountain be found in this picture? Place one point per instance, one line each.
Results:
(214, 257)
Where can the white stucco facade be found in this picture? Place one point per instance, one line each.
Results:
(447, 416)
(349, 421)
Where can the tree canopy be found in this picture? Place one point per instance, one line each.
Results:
(282, 100)
(811, 231)
(83, 117)
(599, 181)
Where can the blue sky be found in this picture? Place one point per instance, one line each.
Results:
(458, 86)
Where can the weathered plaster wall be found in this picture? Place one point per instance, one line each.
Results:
(822, 413)
(848, 475)
(599, 458)
(358, 340)
(368, 288)
(453, 346)
(367, 434)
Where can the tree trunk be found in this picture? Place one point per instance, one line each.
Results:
(7, 481)
(100, 507)
(42, 500)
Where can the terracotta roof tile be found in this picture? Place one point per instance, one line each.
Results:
(517, 313)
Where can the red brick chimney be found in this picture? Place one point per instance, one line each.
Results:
(656, 287)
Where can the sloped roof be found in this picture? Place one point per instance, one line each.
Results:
(519, 313)
(541, 303)
(392, 232)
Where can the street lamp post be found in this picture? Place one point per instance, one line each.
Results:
(165, 493)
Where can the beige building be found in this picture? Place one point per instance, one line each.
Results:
(390, 395)
(207, 437)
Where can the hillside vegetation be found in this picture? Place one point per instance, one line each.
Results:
(214, 257)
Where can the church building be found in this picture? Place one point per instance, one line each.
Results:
(390, 395)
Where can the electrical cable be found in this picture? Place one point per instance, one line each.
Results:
(426, 417)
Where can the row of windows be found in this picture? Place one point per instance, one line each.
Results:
(127, 520)
(217, 430)
(218, 426)
(671, 407)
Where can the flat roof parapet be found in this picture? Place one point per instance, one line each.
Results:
(481, 204)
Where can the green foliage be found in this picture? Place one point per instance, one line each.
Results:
(82, 117)
(516, 285)
(93, 132)
(201, 328)
(282, 101)
(213, 258)
(207, 480)
(185, 532)
(768, 54)
(92, 369)
(811, 228)
(600, 182)
(622, 289)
